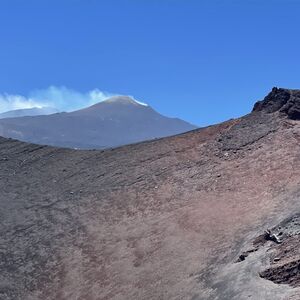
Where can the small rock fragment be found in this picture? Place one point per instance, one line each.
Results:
(276, 259)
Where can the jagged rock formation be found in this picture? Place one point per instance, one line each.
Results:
(282, 100)
(117, 121)
(165, 219)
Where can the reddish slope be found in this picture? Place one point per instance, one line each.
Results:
(166, 219)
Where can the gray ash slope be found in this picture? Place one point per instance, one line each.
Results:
(165, 219)
(117, 121)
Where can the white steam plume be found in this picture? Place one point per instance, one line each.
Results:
(61, 98)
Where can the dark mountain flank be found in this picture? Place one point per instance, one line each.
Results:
(117, 121)
(209, 214)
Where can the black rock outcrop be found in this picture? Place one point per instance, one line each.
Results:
(285, 101)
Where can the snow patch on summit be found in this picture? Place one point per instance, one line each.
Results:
(139, 102)
(124, 100)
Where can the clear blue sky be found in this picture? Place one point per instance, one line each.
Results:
(203, 61)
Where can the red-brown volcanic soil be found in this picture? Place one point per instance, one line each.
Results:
(165, 219)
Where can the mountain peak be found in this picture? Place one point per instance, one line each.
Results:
(117, 121)
(286, 101)
(121, 99)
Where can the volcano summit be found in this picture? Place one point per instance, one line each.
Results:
(116, 121)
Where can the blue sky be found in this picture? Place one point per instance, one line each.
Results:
(203, 61)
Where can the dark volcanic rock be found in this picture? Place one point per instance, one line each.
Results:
(285, 263)
(248, 130)
(284, 258)
(283, 100)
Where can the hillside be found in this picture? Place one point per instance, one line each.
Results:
(117, 121)
(35, 111)
(182, 217)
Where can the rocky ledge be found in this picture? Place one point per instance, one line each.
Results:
(285, 101)
(282, 250)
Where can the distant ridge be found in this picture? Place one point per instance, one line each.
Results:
(35, 111)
